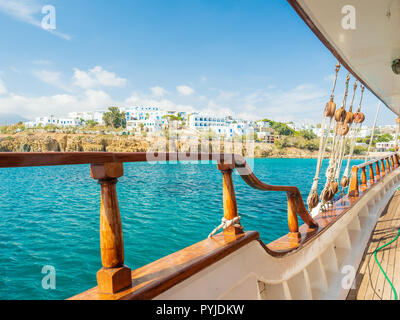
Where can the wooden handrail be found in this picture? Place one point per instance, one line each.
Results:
(107, 167)
(295, 200)
(387, 164)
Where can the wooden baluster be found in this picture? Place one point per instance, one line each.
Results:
(371, 175)
(292, 217)
(363, 179)
(378, 171)
(392, 162)
(396, 160)
(387, 165)
(383, 169)
(114, 275)
(353, 188)
(229, 198)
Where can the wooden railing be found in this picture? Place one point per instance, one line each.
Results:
(106, 168)
(376, 168)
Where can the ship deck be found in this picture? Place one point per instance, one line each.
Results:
(370, 283)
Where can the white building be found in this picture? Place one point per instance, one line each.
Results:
(385, 146)
(220, 125)
(88, 116)
(150, 119)
(52, 120)
(365, 132)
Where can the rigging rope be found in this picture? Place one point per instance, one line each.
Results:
(373, 132)
(330, 108)
(358, 120)
(341, 129)
(348, 122)
(397, 120)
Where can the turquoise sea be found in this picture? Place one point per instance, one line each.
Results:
(50, 216)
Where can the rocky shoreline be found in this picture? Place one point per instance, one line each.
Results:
(61, 142)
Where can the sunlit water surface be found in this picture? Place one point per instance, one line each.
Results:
(50, 216)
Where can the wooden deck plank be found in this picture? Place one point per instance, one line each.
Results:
(371, 284)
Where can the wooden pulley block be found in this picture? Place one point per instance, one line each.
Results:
(343, 129)
(330, 108)
(312, 200)
(359, 117)
(349, 117)
(340, 114)
(334, 188)
(326, 194)
(344, 182)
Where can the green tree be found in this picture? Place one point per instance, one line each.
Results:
(384, 138)
(114, 118)
(280, 128)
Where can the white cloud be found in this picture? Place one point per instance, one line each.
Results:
(26, 11)
(185, 90)
(3, 89)
(158, 91)
(59, 105)
(47, 76)
(53, 78)
(97, 77)
(43, 62)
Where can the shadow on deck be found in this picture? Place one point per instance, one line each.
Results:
(370, 282)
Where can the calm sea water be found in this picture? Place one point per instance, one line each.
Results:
(50, 216)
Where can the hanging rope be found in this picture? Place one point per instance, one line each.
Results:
(397, 120)
(341, 128)
(358, 120)
(373, 132)
(330, 108)
(348, 124)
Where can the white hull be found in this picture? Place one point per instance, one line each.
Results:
(312, 272)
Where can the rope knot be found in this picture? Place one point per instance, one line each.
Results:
(225, 223)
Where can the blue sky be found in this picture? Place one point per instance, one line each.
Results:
(248, 58)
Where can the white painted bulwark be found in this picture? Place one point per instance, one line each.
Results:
(322, 269)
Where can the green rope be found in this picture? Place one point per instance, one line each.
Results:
(384, 273)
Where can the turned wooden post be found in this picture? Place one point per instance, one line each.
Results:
(378, 172)
(387, 165)
(392, 162)
(371, 175)
(363, 179)
(396, 160)
(292, 216)
(353, 188)
(229, 198)
(383, 169)
(114, 275)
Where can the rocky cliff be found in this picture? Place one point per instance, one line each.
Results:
(51, 142)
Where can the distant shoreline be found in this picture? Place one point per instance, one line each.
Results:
(42, 141)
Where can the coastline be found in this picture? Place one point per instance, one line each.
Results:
(93, 142)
